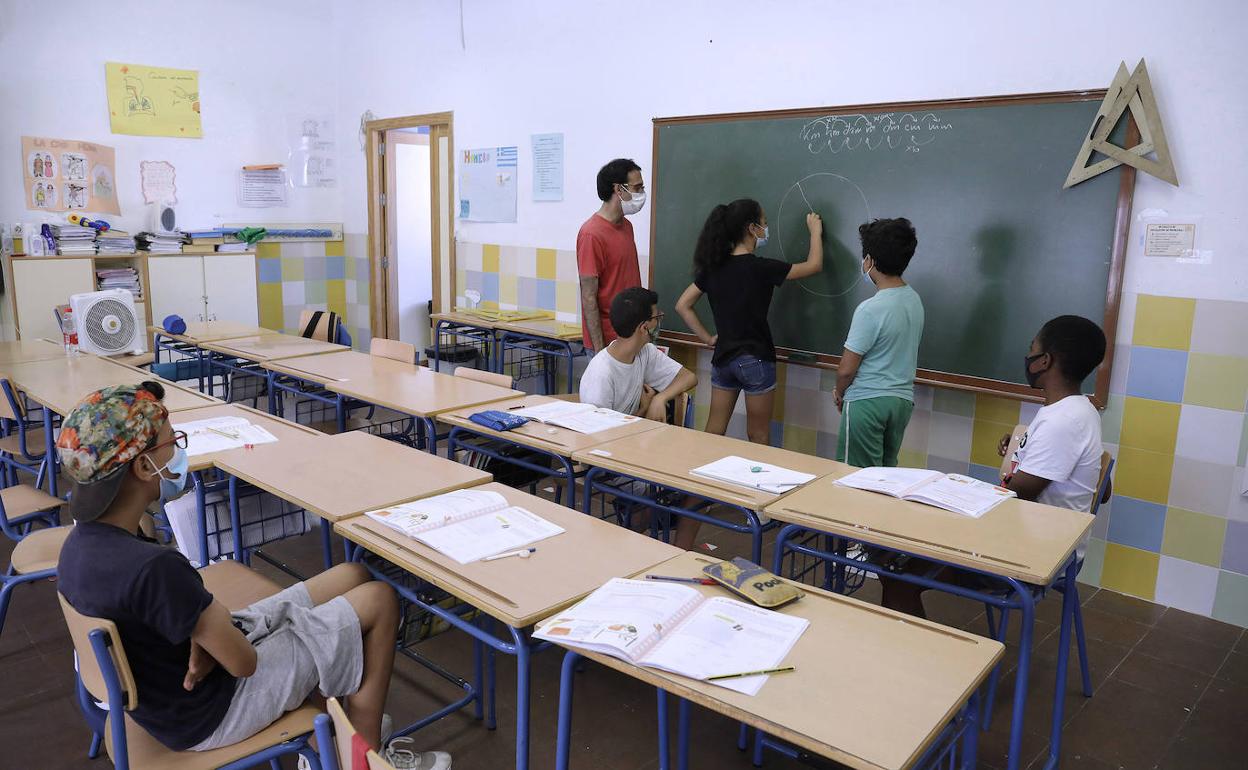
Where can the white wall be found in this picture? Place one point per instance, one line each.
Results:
(599, 71)
(410, 203)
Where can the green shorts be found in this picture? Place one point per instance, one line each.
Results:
(871, 431)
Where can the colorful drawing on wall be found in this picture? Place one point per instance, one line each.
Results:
(487, 184)
(152, 101)
(67, 174)
(159, 180)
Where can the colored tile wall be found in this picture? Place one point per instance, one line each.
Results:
(518, 278)
(327, 275)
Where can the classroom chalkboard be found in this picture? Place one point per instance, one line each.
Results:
(1002, 247)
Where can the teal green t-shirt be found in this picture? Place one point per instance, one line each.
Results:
(886, 331)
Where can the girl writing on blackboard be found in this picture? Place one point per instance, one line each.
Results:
(739, 286)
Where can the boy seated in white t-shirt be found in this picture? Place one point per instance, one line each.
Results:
(631, 375)
(1058, 461)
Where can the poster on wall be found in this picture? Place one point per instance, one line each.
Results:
(160, 181)
(487, 184)
(152, 101)
(69, 175)
(313, 151)
(547, 167)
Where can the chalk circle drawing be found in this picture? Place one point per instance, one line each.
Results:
(889, 130)
(102, 182)
(74, 166)
(834, 197)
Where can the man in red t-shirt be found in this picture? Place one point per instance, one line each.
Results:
(606, 254)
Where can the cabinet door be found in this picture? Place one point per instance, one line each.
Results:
(177, 287)
(230, 284)
(41, 283)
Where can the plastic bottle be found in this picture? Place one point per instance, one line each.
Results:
(69, 330)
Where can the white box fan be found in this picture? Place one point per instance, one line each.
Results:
(107, 322)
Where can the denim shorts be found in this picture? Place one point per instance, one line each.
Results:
(745, 372)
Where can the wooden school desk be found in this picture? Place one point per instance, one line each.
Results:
(252, 351)
(546, 337)
(294, 375)
(422, 394)
(1019, 546)
(904, 688)
(336, 477)
(515, 591)
(23, 351)
(666, 456)
(459, 324)
(548, 440)
(289, 437)
(198, 332)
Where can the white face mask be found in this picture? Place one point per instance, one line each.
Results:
(634, 203)
(762, 239)
(866, 274)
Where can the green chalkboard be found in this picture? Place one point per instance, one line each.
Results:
(1002, 247)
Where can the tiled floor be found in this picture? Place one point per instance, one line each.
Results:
(1171, 691)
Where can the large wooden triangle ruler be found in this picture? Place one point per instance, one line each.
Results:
(1133, 92)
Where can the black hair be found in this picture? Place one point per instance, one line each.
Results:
(615, 172)
(890, 242)
(724, 228)
(632, 308)
(1075, 343)
(155, 388)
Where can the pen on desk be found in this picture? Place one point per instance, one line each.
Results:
(780, 670)
(674, 579)
(222, 432)
(523, 553)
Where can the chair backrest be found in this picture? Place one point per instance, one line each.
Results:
(393, 349)
(480, 375)
(10, 406)
(1016, 437)
(1102, 484)
(319, 325)
(101, 656)
(682, 413)
(351, 752)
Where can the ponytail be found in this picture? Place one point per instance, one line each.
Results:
(725, 228)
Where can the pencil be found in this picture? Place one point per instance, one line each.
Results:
(781, 670)
(674, 579)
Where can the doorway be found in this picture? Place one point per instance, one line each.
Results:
(410, 210)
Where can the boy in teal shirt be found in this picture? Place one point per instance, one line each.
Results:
(875, 379)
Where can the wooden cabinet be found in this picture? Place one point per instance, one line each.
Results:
(204, 287)
(42, 283)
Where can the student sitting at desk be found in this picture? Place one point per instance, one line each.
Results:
(207, 679)
(631, 375)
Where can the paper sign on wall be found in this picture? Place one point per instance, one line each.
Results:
(313, 151)
(69, 175)
(1169, 239)
(262, 188)
(487, 184)
(159, 180)
(547, 167)
(152, 101)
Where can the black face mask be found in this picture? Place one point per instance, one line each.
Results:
(1032, 377)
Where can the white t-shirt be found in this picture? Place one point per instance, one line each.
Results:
(1063, 445)
(610, 384)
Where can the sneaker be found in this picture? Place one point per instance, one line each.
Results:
(387, 728)
(404, 759)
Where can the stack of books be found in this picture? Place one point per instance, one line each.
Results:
(73, 240)
(119, 278)
(161, 243)
(235, 247)
(115, 242)
(204, 241)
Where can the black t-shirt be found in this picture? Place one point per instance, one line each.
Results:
(155, 597)
(740, 293)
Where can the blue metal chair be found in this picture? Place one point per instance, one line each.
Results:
(339, 744)
(22, 445)
(34, 558)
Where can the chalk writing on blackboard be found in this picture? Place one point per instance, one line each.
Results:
(889, 130)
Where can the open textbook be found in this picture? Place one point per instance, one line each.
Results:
(753, 474)
(676, 628)
(468, 524)
(582, 418)
(951, 491)
(217, 434)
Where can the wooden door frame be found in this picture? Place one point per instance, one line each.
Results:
(383, 318)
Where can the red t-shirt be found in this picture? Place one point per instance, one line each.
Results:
(608, 251)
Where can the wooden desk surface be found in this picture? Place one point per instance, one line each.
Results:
(22, 351)
(667, 454)
(901, 678)
(339, 366)
(287, 432)
(1016, 539)
(563, 570)
(61, 383)
(210, 331)
(344, 475)
(465, 318)
(271, 346)
(549, 438)
(541, 327)
(422, 392)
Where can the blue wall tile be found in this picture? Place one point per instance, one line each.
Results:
(269, 270)
(1137, 523)
(489, 287)
(545, 294)
(1157, 374)
(985, 473)
(335, 267)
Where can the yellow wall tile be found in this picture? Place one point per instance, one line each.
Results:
(1163, 322)
(799, 439)
(567, 299)
(1151, 425)
(271, 305)
(777, 408)
(1130, 570)
(271, 250)
(546, 263)
(996, 409)
(909, 458)
(508, 293)
(335, 248)
(1143, 475)
(985, 437)
(489, 258)
(336, 296)
(1220, 382)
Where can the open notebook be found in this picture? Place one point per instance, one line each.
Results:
(217, 434)
(951, 491)
(468, 524)
(582, 418)
(753, 474)
(675, 628)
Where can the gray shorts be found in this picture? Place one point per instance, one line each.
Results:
(310, 646)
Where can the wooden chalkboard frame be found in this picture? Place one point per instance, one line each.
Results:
(1113, 292)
